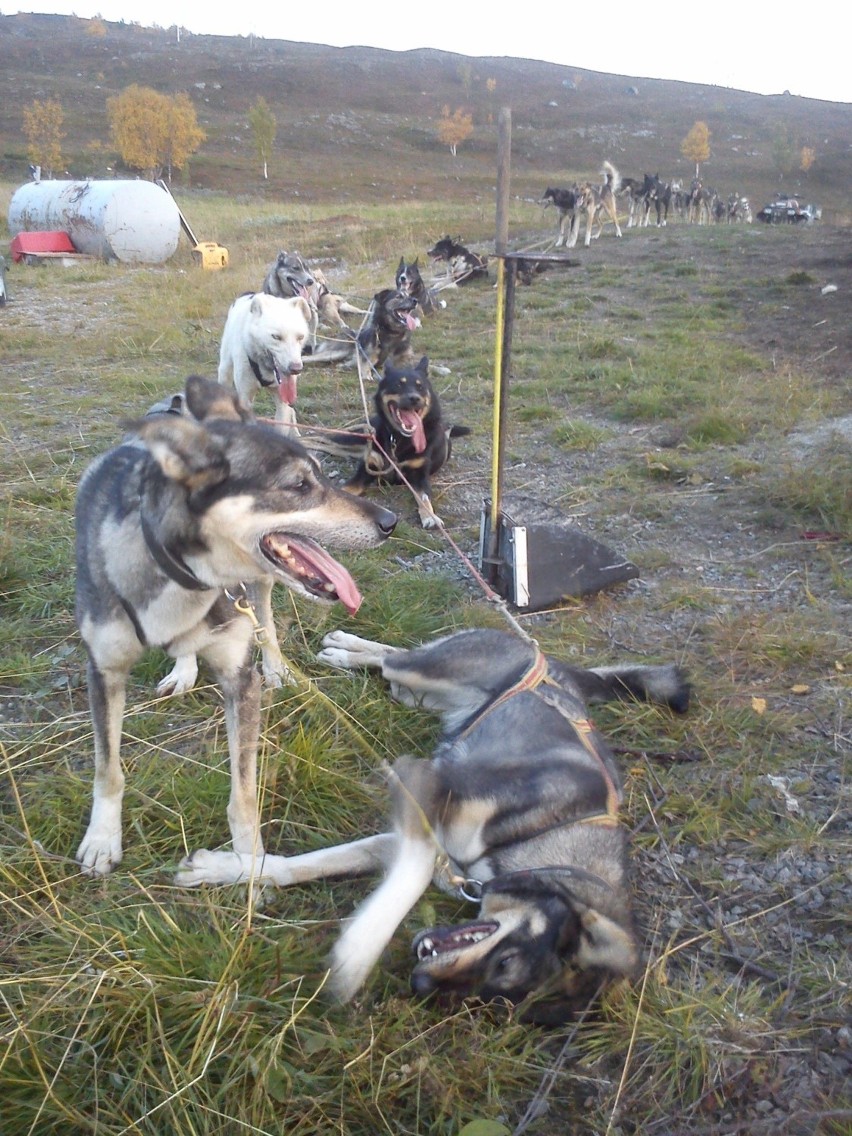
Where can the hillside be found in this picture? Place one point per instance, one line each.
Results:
(358, 123)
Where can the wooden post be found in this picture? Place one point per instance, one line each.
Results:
(505, 318)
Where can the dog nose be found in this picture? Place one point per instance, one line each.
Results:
(422, 986)
(386, 520)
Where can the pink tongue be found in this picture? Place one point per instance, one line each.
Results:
(327, 568)
(411, 322)
(412, 422)
(287, 389)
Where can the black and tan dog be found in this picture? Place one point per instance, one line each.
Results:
(409, 432)
(565, 201)
(182, 530)
(464, 265)
(384, 335)
(517, 810)
(410, 281)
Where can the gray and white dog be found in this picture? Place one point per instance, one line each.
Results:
(181, 531)
(517, 808)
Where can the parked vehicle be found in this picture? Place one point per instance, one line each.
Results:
(787, 209)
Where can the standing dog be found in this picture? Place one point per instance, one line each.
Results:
(409, 432)
(595, 200)
(517, 809)
(565, 201)
(262, 347)
(172, 527)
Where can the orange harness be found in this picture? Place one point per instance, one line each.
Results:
(534, 677)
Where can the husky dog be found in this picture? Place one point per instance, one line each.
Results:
(408, 432)
(516, 810)
(262, 347)
(174, 526)
(384, 335)
(290, 276)
(409, 281)
(565, 201)
(594, 201)
(463, 265)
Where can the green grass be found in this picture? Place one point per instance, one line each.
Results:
(131, 1006)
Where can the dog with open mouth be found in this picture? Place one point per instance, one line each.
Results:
(463, 265)
(182, 531)
(409, 280)
(408, 434)
(385, 334)
(517, 810)
(261, 347)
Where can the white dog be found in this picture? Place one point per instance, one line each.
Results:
(262, 347)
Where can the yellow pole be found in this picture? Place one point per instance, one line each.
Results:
(496, 456)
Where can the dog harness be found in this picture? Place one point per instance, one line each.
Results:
(534, 677)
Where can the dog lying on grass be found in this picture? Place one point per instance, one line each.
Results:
(409, 432)
(517, 810)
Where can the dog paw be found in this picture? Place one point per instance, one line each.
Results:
(337, 657)
(99, 853)
(345, 651)
(348, 973)
(181, 678)
(431, 521)
(204, 867)
(274, 677)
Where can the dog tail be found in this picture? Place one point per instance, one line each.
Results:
(666, 685)
(459, 431)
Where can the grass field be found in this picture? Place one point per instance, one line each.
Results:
(131, 1006)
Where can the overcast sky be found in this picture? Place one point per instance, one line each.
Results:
(767, 47)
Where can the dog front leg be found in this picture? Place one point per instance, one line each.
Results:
(100, 849)
(357, 858)
(242, 722)
(429, 519)
(285, 420)
(415, 789)
(345, 651)
(276, 673)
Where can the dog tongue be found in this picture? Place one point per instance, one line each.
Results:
(286, 388)
(411, 322)
(413, 423)
(327, 568)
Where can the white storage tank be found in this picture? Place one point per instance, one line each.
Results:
(135, 222)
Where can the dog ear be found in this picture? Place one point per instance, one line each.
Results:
(401, 264)
(605, 945)
(206, 399)
(423, 366)
(304, 307)
(186, 453)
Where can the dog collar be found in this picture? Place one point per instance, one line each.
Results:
(170, 563)
(255, 370)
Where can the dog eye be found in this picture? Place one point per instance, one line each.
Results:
(276, 336)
